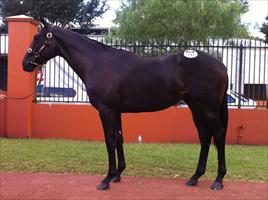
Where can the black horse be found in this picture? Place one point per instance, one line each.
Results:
(118, 81)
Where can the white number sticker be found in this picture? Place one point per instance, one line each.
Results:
(190, 53)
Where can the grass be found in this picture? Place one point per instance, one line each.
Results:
(164, 160)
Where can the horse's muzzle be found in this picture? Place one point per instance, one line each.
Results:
(29, 66)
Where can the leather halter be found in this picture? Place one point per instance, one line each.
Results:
(37, 53)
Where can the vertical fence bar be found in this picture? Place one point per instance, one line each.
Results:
(57, 89)
(236, 73)
(265, 78)
(249, 68)
(240, 73)
(134, 47)
(259, 76)
(254, 69)
(64, 92)
(244, 60)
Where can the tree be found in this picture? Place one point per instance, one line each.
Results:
(58, 12)
(264, 29)
(89, 11)
(180, 20)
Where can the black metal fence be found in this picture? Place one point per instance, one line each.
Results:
(246, 62)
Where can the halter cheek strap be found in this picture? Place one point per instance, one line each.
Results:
(49, 36)
(37, 53)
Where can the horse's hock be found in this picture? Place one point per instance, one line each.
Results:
(22, 118)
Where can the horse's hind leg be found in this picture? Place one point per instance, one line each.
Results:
(201, 121)
(219, 139)
(209, 122)
(120, 150)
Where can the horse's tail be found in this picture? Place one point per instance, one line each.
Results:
(224, 109)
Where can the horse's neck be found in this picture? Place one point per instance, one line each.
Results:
(80, 54)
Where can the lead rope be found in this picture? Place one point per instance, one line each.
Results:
(3, 97)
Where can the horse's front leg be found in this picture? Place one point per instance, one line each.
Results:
(109, 123)
(120, 150)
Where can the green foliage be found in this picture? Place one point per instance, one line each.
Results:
(60, 12)
(90, 10)
(166, 160)
(264, 29)
(180, 20)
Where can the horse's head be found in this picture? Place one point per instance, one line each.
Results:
(42, 49)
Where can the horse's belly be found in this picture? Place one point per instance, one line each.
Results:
(148, 105)
(135, 109)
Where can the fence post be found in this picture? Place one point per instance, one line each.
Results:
(241, 47)
(134, 47)
(20, 84)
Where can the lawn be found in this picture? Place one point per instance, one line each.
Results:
(165, 160)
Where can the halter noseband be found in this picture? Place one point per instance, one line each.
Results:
(37, 53)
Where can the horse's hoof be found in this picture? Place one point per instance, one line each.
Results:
(216, 186)
(103, 186)
(116, 179)
(191, 182)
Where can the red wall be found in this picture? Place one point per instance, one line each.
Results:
(171, 125)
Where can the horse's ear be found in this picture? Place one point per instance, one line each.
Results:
(44, 22)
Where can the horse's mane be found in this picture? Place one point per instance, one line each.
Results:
(100, 44)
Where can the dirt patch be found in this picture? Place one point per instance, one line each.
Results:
(79, 187)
